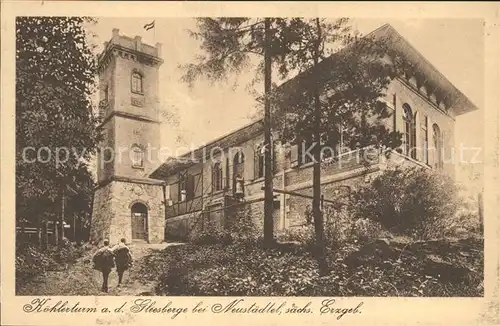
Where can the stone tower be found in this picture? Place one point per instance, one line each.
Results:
(127, 203)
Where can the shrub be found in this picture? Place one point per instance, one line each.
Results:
(302, 234)
(410, 201)
(238, 228)
(340, 229)
(339, 226)
(31, 261)
(238, 270)
(65, 254)
(366, 230)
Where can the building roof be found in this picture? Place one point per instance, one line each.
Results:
(459, 102)
(233, 138)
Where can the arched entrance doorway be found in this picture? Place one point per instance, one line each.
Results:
(139, 221)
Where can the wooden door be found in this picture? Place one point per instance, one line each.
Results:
(139, 222)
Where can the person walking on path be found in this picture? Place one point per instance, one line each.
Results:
(104, 262)
(123, 258)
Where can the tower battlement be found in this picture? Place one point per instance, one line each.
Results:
(132, 46)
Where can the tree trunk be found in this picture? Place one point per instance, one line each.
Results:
(55, 231)
(268, 178)
(45, 235)
(23, 231)
(60, 225)
(316, 203)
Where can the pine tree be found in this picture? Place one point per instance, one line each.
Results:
(341, 82)
(229, 44)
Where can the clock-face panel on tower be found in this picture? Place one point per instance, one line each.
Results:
(137, 190)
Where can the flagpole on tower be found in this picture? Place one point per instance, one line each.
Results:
(149, 26)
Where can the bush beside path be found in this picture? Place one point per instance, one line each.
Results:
(80, 279)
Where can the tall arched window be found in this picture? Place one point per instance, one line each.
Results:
(238, 163)
(137, 82)
(425, 139)
(410, 135)
(228, 183)
(438, 148)
(238, 172)
(217, 176)
(259, 161)
(137, 157)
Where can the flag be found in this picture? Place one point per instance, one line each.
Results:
(149, 26)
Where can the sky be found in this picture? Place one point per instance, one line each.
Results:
(454, 46)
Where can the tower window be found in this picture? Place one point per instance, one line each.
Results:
(137, 157)
(137, 83)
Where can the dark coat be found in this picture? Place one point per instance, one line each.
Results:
(103, 259)
(123, 258)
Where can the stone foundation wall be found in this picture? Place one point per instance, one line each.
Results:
(295, 206)
(102, 214)
(180, 227)
(112, 217)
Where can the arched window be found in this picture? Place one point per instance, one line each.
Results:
(137, 82)
(239, 158)
(228, 183)
(438, 139)
(259, 161)
(217, 177)
(238, 172)
(137, 157)
(425, 140)
(410, 135)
